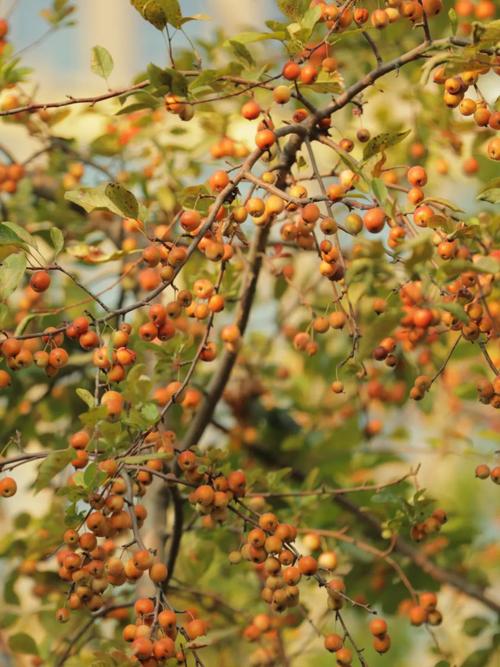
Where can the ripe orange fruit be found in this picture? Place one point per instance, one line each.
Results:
(190, 220)
(308, 565)
(378, 627)
(218, 180)
(265, 139)
(40, 281)
(291, 71)
(308, 74)
(418, 615)
(8, 487)
(374, 220)
(144, 606)
(333, 642)
(382, 644)
(5, 379)
(58, 357)
(251, 110)
(417, 176)
(196, 628)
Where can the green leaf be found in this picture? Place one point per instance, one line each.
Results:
(196, 17)
(137, 459)
(101, 62)
(168, 79)
(350, 162)
(150, 412)
(241, 52)
(86, 396)
(7, 619)
(57, 239)
(20, 232)
(248, 37)
(422, 249)
(484, 34)
(490, 192)
(381, 327)
(383, 141)
(4, 314)
(327, 82)
(482, 265)
(477, 659)
(309, 20)
(379, 190)
(486, 265)
(452, 16)
(456, 310)
(474, 625)
(152, 11)
(9, 593)
(92, 476)
(294, 9)
(9, 237)
(51, 466)
(172, 12)
(11, 274)
(23, 643)
(443, 202)
(110, 196)
(123, 199)
(106, 144)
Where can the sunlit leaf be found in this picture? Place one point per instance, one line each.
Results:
(101, 62)
(383, 141)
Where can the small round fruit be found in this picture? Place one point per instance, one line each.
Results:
(308, 565)
(382, 644)
(378, 627)
(344, 656)
(40, 281)
(8, 487)
(374, 220)
(308, 74)
(265, 139)
(144, 606)
(291, 71)
(5, 379)
(494, 148)
(418, 615)
(196, 628)
(158, 572)
(417, 176)
(251, 110)
(281, 94)
(333, 642)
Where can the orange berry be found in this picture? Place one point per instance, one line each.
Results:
(158, 572)
(218, 180)
(291, 71)
(196, 628)
(264, 139)
(374, 220)
(40, 281)
(378, 627)
(144, 606)
(308, 74)
(251, 110)
(333, 642)
(8, 487)
(308, 565)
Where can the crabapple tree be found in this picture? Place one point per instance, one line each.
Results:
(249, 343)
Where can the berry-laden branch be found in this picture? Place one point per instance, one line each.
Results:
(298, 292)
(400, 545)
